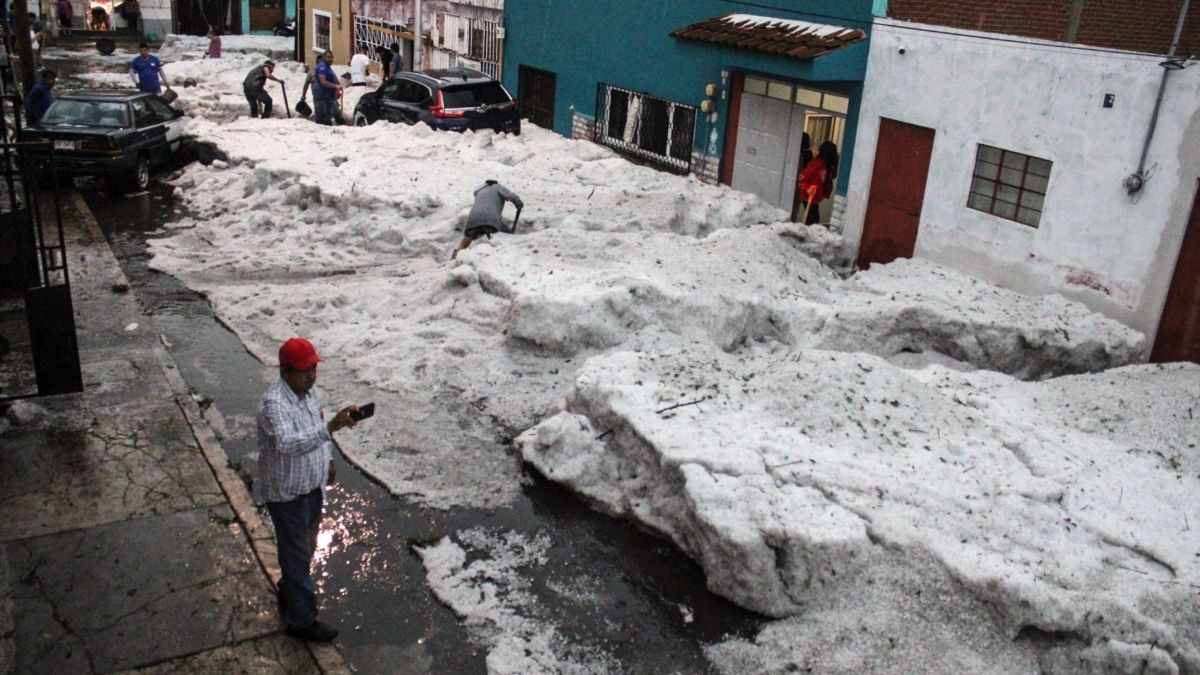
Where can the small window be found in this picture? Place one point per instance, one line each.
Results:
(837, 104)
(779, 90)
(473, 95)
(321, 30)
(808, 97)
(412, 92)
(143, 116)
(756, 86)
(1009, 185)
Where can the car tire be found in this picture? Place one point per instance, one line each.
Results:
(360, 120)
(137, 180)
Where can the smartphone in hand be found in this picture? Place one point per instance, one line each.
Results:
(364, 411)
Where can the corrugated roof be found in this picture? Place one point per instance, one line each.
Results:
(784, 37)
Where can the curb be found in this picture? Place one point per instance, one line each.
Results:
(258, 533)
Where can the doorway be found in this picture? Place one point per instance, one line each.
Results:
(768, 127)
(1178, 336)
(535, 90)
(897, 192)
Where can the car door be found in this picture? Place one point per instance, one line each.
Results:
(151, 134)
(172, 122)
(405, 105)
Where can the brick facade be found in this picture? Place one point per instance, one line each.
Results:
(1142, 26)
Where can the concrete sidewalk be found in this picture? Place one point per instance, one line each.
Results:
(126, 541)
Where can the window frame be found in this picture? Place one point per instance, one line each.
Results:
(316, 35)
(1026, 195)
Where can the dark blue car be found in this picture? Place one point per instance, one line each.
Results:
(454, 99)
(117, 134)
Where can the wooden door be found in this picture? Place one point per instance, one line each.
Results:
(1178, 337)
(897, 192)
(535, 91)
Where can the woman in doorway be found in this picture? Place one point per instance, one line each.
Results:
(816, 181)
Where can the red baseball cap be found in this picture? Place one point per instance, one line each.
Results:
(298, 353)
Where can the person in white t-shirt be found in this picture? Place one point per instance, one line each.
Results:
(358, 67)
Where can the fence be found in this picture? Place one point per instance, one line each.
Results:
(466, 41)
(656, 130)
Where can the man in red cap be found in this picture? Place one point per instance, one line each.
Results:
(295, 459)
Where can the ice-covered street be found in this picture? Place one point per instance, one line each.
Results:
(907, 468)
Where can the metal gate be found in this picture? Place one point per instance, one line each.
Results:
(466, 41)
(40, 352)
(653, 129)
(535, 90)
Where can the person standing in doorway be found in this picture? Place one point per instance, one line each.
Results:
(295, 462)
(255, 88)
(325, 90)
(816, 181)
(146, 71)
(359, 64)
(485, 216)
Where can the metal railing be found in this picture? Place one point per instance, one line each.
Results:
(650, 128)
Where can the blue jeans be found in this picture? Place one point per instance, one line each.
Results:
(323, 110)
(296, 525)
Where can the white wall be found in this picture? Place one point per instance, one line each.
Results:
(1042, 99)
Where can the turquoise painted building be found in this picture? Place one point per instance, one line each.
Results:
(682, 85)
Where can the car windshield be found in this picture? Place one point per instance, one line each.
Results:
(474, 95)
(76, 113)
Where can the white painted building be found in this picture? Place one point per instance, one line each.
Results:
(1060, 126)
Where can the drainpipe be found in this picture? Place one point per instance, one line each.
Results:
(1134, 182)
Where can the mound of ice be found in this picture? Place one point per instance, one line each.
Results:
(785, 473)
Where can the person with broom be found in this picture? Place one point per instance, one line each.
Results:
(484, 220)
(255, 88)
(816, 181)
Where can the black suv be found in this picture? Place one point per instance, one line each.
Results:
(455, 99)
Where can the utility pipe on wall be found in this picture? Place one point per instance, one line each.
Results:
(1135, 181)
(418, 62)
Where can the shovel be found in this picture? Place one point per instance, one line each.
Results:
(812, 191)
(286, 107)
(515, 219)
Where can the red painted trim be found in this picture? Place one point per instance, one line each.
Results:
(731, 127)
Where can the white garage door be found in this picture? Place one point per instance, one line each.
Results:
(768, 148)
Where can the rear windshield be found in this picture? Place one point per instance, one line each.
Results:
(474, 95)
(70, 112)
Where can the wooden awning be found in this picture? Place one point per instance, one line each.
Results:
(782, 37)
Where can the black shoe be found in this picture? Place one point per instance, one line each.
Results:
(281, 601)
(315, 632)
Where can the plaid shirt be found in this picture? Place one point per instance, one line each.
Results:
(294, 447)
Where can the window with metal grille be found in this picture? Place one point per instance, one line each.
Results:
(646, 127)
(1009, 185)
(321, 29)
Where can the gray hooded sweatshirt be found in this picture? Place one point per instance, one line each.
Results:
(489, 203)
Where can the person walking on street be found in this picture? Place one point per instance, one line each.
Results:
(37, 35)
(816, 181)
(255, 89)
(40, 97)
(146, 71)
(397, 63)
(295, 462)
(214, 44)
(485, 218)
(325, 90)
(65, 13)
(359, 63)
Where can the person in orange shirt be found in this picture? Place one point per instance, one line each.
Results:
(816, 181)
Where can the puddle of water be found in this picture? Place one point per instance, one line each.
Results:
(646, 602)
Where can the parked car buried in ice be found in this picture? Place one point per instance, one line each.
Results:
(116, 134)
(454, 99)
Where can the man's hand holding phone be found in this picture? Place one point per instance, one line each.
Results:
(362, 412)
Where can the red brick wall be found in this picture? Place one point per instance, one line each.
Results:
(1141, 25)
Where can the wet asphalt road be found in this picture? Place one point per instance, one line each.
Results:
(372, 583)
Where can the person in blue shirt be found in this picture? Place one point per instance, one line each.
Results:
(325, 89)
(397, 63)
(40, 97)
(146, 71)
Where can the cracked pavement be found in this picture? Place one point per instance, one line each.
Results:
(121, 549)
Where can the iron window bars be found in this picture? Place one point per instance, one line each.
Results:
(653, 129)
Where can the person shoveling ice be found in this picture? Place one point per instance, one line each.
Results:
(485, 216)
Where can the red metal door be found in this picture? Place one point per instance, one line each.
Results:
(1178, 337)
(897, 192)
